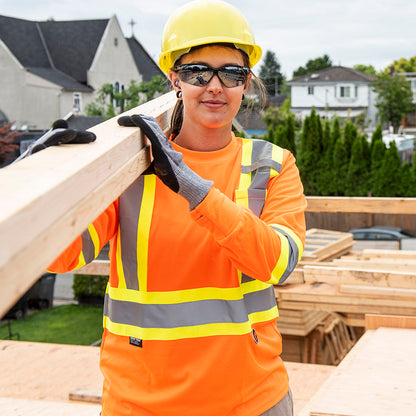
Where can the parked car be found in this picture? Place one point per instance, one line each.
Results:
(381, 233)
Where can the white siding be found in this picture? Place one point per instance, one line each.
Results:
(113, 61)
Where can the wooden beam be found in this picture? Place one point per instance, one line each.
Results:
(389, 321)
(48, 199)
(362, 204)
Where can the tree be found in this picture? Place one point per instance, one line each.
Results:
(368, 69)
(402, 65)
(7, 147)
(270, 74)
(340, 165)
(394, 98)
(111, 102)
(313, 65)
(388, 180)
(357, 174)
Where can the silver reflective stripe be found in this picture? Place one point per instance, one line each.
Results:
(261, 163)
(88, 249)
(293, 254)
(129, 212)
(189, 313)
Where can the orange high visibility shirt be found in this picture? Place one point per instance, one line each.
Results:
(203, 375)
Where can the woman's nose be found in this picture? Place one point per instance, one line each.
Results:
(215, 85)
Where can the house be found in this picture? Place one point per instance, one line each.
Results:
(51, 68)
(334, 91)
(409, 122)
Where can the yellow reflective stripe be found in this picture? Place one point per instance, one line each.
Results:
(119, 263)
(283, 261)
(294, 236)
(245, 178)
(196, 331)
(277, 156)
(81, 261)
(254, 286)
(143, 229)
(263, 316)
(175, 296)
(95, 239)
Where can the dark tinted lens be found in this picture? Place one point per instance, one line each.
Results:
(232, 76)
(195, 74)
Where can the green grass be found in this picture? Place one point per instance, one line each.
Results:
(66, 324)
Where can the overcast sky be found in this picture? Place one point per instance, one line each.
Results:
(351, 32)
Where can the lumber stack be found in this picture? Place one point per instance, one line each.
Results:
(371, 281)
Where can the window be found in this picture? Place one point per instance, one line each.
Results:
(115, 41)
(310, 90)
(76, 106)
(345, 92)
(356, 91)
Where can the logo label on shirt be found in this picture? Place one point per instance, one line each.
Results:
(255, 337)
(137, 342)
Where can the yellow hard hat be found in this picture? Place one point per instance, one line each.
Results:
(202, 22)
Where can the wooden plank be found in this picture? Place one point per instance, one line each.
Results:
(305, 381)
(50, 198)
(379, 308)
(23, 407)
(84, 395)
(389, 321)
(393, 265)
(365, 383)
(330, 293)
(397, 254)
(406, 206)
(340, 275)
(40, 371)
(391, 292)
(97, 267)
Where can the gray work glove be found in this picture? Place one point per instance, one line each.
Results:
(168, 164)
(58, 134)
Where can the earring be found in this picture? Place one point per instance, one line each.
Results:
(179, 94)
(243, 97)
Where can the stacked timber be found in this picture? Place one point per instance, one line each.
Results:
(372, 281)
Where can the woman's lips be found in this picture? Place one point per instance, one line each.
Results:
(213, 103)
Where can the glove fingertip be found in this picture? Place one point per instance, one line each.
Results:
(125, 121)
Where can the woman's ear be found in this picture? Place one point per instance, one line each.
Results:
(174, 79)
(247, 83)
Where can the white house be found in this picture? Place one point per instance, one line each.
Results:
(334, 91)
(49, 69)
(409, 122)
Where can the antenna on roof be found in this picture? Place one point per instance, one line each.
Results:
(132, 23)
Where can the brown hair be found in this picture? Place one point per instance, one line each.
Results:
(177, 114)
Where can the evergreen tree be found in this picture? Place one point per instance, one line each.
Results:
(340, 166)
(406, 179)
(377, 135)
(270, 74)
(388, 180)
(290, 133)
(356, 183)
(310, 153)
(377, 157)
(335, 131)
(325, 180)
(350, 133)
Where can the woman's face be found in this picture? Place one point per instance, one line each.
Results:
(212, 105)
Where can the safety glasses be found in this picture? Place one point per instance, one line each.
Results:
(199, 74)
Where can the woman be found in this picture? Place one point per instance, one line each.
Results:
(198, 242)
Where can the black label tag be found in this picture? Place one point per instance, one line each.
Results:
(136, 342)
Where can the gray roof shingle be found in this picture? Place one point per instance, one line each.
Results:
(333, 74)
(145, 64)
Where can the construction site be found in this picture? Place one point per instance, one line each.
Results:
(347, 314)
